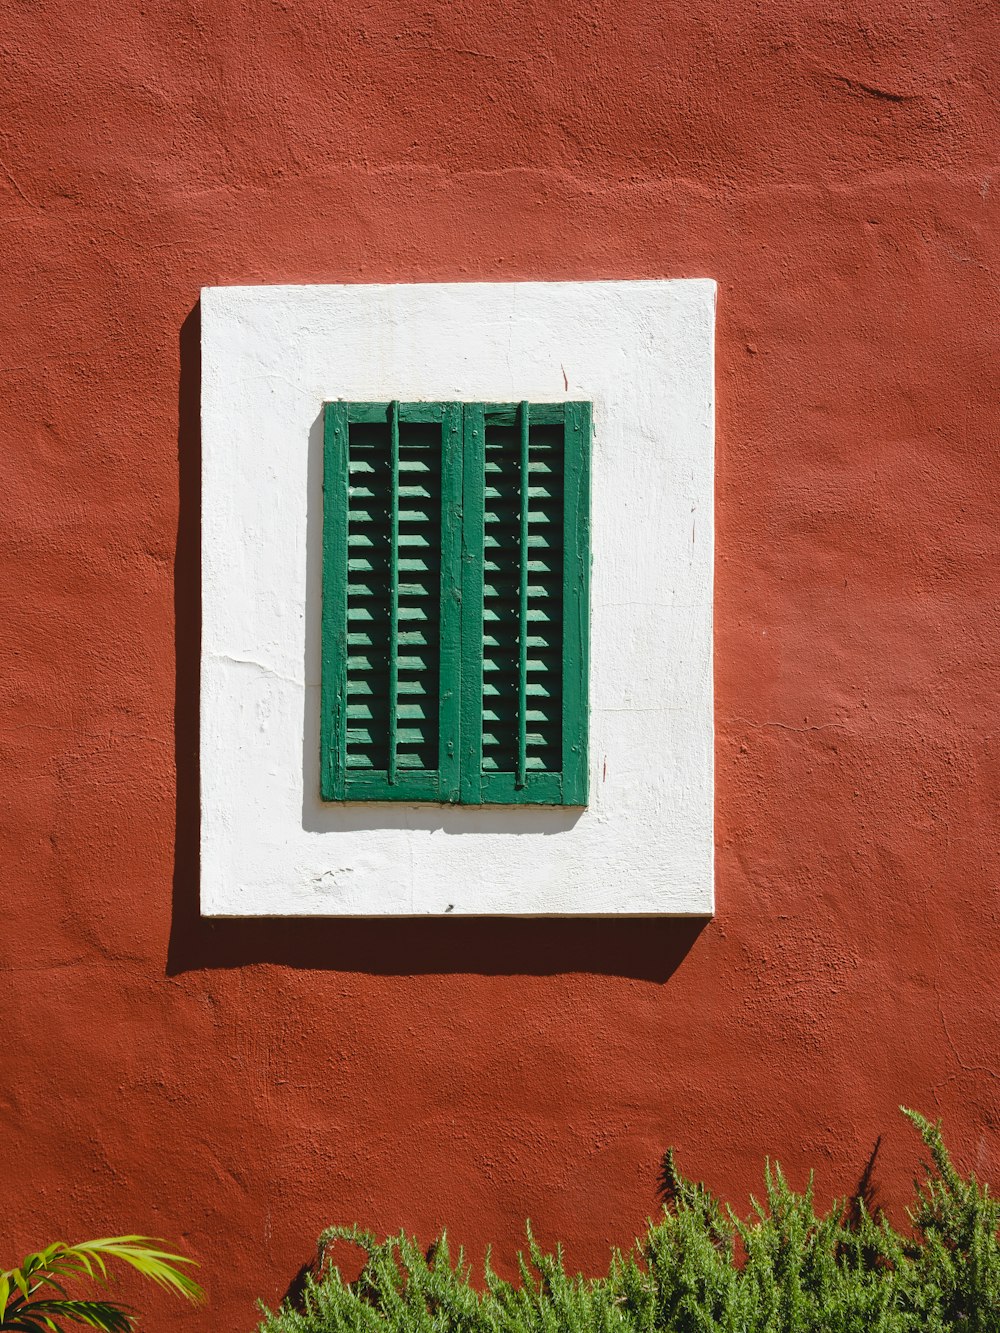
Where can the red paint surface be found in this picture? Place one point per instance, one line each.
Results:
(236, 1087)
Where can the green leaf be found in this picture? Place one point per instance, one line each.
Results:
(103, 1315)
(140, 1253)
(50, 1267)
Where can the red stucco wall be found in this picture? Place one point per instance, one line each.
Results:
(235, 1087)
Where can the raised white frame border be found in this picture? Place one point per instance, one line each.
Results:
(643, 353)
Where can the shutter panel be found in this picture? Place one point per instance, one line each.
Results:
(456, 565)
(526, 530)
(391, 567)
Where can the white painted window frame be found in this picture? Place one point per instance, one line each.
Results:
(643, 354)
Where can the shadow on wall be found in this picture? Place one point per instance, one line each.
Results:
(650, 949)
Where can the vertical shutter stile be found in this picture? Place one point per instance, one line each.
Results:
(450, 715)
(393, 592)
(499, 609)
(522, 627)
(576, 604)
(333, 692)
(473, 577)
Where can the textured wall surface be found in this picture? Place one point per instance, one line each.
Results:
(236, 1086)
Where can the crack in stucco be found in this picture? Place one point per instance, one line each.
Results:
(787, 726)
(257, 666)
(872, 90)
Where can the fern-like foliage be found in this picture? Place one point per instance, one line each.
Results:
(33, 1298)
(700, 1269)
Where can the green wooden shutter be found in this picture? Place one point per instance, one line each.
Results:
(455, 602)
(526, 571)
(391, 572)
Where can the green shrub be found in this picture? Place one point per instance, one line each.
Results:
(699, 1269)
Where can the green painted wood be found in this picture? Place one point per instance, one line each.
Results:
(455, 603)
(538, 789)
(383, 501)
(393, 588)
(452, 500)
(576, 603)
(471, 666)
(378, 413)
(507, 414)
(333, 691)
(374, 785)
(522, 617)
(503, 556)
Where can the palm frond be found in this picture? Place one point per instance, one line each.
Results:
(104, 1315)
(139, 1252)
(24, 1310)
